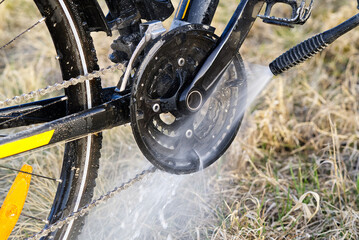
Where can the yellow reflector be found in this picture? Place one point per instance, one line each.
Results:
(25, 144)
(14, 202)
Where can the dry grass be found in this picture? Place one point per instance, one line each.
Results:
(291, 172)
(297, 154)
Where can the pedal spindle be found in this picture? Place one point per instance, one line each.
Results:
(307, 49)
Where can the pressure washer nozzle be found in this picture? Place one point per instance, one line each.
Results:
(307, 49)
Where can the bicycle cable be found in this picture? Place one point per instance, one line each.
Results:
(31, 111)
(56, 87)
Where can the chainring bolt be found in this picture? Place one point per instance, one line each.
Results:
(189, 133)
(156, 107)
(181, 62)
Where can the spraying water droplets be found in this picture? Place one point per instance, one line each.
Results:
(163, 206)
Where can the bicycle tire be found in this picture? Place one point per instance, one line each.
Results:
(77, 56)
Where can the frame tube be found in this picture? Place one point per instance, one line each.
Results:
(196, 11)
(105, 116)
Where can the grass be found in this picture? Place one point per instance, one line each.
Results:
(292, 171)
(299, 149)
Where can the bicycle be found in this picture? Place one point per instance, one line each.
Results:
(175, 113)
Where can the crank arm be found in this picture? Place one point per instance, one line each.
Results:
(97, 119)
(227, 47)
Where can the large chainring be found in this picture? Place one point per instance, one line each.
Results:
(172, 141)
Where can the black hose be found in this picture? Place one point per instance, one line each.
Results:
(305, 50)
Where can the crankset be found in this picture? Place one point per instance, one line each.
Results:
(180, 142)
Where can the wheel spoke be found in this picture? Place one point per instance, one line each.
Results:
(27, 30)
(35, 218)
(32, 174)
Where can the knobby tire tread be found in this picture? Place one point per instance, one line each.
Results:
(75, 152)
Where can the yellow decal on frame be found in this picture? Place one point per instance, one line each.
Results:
(26, 144)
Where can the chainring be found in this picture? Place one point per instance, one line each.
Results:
(179, 143)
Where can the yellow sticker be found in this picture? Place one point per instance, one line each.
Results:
(25, 144)
(185, 11)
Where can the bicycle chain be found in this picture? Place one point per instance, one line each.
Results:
(59, 86)
(86, 209)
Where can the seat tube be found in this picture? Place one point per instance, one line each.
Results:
(196, 11)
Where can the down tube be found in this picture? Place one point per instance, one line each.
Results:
(196, 11)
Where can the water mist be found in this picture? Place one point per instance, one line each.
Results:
(162, 206)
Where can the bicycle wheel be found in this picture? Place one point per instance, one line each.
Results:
(76, 55)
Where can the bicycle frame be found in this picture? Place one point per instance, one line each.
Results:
(57, 126)
(67, 128)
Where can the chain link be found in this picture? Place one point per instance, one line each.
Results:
(87, 208)
(59, 86)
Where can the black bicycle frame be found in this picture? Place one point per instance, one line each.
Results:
(196, 11)
(58, 127)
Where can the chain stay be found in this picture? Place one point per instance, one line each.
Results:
(87, 208)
